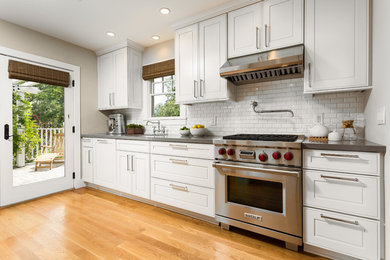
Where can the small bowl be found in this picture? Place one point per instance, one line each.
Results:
(184, 132)
(198, 131)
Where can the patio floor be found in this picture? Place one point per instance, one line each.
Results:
(26, 175)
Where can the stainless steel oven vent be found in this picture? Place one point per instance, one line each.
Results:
(273, 65)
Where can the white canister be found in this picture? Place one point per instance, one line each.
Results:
(335, 136)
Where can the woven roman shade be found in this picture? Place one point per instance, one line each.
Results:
(157, 70)
(29, 72)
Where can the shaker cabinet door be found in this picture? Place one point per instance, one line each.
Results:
(105, 166)
(283, 23)
(244, 30)
(186, 64)
(212, 55)
(336, 45)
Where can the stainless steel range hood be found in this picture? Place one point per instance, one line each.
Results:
(286, 63)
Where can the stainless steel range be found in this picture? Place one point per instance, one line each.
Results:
(258, 185)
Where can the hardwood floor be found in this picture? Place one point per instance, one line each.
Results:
(90, 224)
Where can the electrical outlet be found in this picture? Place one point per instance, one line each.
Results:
(381, 115)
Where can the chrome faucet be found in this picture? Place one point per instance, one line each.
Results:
(161, 130)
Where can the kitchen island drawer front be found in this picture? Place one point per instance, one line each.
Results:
(133, 146)
(356, 237)
(187, 170)
(188, 197)
(201, 151)
(340, 161)
(347, 193)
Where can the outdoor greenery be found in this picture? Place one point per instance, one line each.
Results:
(23, 119)
(168, 109)
(134, 126)
(48, 106)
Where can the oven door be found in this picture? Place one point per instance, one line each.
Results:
(266, 196)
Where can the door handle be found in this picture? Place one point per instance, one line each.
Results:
(6, 132)
(201, 89)
(132, 163)
(309, 68)
(176, 161)
(339, 178)
(356, 223)
(266, 35)
(257, 38)
(127, 162)
(195, 84)
(89, 156)
(176, 187)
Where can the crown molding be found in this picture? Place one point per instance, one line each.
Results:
(127, 43)
(210, 13)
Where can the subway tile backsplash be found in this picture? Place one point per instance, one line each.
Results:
(238, 116)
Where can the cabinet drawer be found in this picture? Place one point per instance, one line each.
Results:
(348, 193)
(187, 170)
(202, 151)
(87, 142)
(132, 146)
(356, 237)
(184, 196)
(353, 162)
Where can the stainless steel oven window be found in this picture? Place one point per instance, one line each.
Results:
(256, 193)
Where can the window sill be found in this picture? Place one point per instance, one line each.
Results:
(166, 118)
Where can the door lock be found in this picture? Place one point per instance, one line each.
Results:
(6, 132)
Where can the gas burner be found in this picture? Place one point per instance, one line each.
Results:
(261, 137)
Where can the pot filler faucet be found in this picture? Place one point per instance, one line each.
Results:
(254, 104)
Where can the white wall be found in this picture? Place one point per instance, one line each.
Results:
(380, 95)
(26, 40)
(159, 52)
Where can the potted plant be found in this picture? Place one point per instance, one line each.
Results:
(134, 129)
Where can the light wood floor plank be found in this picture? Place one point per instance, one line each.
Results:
(91, 224)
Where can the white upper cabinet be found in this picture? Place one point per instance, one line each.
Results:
(200, 50)
(267, 25)
(244, 30)
(212, 55)
(186, 64)
(119, 79)
(283, 23)
(336, 45)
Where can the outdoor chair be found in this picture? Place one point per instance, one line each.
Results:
(56, 154)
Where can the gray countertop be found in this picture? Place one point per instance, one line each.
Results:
(357, 146)
(168, 138)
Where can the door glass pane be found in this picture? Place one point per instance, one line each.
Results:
(255, 193)
(38, 132)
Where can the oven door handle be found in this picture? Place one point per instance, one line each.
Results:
(246, 168)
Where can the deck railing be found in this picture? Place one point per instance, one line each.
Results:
(46, 136)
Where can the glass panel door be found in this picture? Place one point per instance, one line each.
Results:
(36, 143)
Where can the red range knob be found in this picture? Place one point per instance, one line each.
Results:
(222, 151)
(230, 151)
(263, 157)
(288, 156)
(276, 155)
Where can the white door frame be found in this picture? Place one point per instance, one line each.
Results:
(75, 74)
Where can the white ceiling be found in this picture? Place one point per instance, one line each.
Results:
(85, 22)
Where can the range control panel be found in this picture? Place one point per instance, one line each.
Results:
(263, 155)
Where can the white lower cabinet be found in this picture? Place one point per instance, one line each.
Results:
(87, 160)
(345, 234)
(186, 170)
(185, 196)
(104, 163)
(133, 175)
(342, 193)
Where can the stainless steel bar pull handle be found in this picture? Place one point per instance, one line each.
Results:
(201, 89)
(309, 68)
(339, 178)
(176, 161)
(266, 35)
(132, 163)
(113, 99)
(177, 146)
(89, 156)
(176, 187)
(128, 162)
(356, 223)
(257, 38)
(109, 99)
(349, 156)
(195, 83)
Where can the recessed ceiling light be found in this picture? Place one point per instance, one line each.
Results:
(165, 10)
(155, 37)
(111, 34)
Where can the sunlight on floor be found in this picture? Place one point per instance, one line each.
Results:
(26, 175)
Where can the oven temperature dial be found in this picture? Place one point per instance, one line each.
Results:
(222, 151)
(276, 155)
(263, 157)
(230, 152)
(288, 156)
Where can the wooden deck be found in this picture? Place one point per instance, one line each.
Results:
(90, 224)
